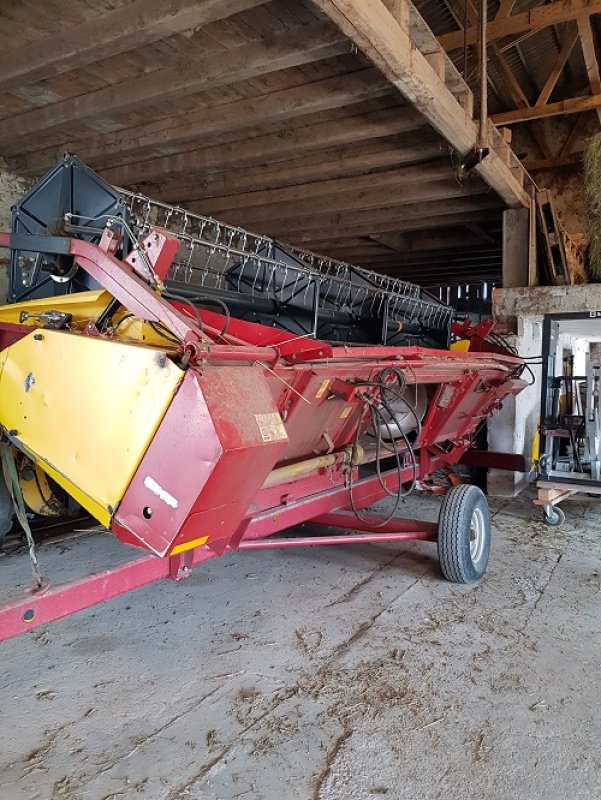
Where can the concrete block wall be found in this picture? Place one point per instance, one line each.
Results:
(11, 189)
(513, 428)
(522, 309)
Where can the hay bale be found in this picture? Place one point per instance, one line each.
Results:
(592, 182)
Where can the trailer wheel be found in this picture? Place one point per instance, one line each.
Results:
(464, 534)
(555, 517)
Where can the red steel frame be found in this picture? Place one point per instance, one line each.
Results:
(328, 508)
(320, 497)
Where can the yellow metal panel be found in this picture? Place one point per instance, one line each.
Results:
(85, 408)
(84, 307)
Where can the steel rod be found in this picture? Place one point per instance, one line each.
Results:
(327, 541)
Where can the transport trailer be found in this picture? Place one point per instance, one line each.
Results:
(199, 389)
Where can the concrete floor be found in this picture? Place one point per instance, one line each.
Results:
(323, 674)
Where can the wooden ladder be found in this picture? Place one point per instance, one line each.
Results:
(552, 239)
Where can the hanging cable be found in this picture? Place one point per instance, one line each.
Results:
(379, 422)
(187, 302)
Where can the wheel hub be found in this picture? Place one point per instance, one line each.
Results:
(477, 528)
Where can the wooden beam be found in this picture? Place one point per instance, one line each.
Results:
(105, 35)
(395, 178)
(319, 165)
(272, 146)
(534, 19)
(510, 82)
(512, 91)
(553, 163)
(557, 68)
(568, 146)
(572, 106)
(590, 56)
(510, 85)
(287, 104)
(386, 40)
(297, 46)
(505, 9)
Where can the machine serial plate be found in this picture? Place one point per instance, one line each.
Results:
(271, 427)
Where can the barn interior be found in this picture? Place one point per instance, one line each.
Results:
(434, 143)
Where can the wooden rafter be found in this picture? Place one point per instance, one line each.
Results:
(590, 56)
(386, 39)
(573, 105)
(571, 139)
(529, 21)
(553, 163)
(505, 9)
(557, 68)
(512, 90)
(118, 31)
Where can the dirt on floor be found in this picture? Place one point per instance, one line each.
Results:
(347, 673)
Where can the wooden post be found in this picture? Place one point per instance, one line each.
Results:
(516, 247)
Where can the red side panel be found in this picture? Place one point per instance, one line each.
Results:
(217, 443)
(11, 333)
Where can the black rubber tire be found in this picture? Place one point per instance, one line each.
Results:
(558, 517)
(461, 505)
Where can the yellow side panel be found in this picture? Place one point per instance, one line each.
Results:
(461, 346)
(85, 409)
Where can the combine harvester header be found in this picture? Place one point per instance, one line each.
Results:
(198, 388)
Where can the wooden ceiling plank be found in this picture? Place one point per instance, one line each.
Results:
(386, 41)
(279, 106)
(118, 31)
(408, 219)
(331, 164)
(411, 221)
(269, 147)
(342, 202)
(528, 21)
(187, 76)
(404, 177)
